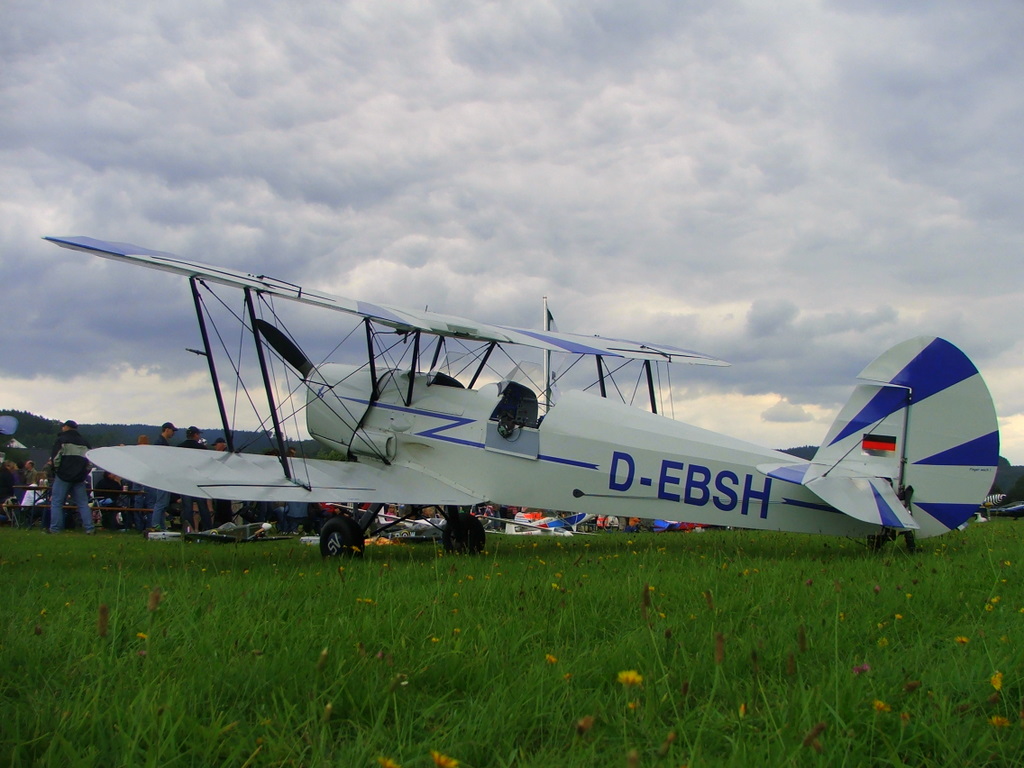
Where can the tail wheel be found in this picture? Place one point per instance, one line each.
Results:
(341, 537)
(463, 533)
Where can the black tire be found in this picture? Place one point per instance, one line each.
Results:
(910, 540)
(341, 537)
(463, 533)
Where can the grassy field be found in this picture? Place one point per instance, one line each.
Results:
(720, 648)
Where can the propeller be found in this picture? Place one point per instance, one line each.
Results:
(285, 347)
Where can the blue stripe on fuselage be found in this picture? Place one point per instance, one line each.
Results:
(455, 422)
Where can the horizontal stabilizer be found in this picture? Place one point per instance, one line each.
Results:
(788, 473)
(251, 477)
(870, 499)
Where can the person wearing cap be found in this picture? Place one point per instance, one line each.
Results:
(194, 439)
(159, 500)
(71, 469)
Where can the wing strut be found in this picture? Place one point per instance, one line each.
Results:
(412, 371)
(600, 374)
(650, 385)
(483, 363)
(372, 360)
(278, 435)
(201, 317)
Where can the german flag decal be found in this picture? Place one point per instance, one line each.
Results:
(879, 443)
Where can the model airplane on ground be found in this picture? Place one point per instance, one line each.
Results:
(228, 533)
(537, 524)
(914, 450)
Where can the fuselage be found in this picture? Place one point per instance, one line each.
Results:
(588, 454)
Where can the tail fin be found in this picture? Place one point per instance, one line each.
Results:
(922, 437)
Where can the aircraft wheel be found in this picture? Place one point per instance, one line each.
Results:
(341, 537)
(910, 540)
(463, 533)
(877, 540)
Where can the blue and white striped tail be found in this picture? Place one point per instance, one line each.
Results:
(927, 424)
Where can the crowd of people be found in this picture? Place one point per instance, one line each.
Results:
(52, 497)
(68, 487)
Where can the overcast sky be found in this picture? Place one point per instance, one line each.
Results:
(792, 187)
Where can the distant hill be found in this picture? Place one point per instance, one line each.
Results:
(801, 452)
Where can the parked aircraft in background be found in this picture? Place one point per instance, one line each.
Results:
(537, 523)
(1015, 510)
(914, 450)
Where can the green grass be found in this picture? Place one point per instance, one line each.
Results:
(266, 655)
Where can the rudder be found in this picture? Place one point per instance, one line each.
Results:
(927, 423)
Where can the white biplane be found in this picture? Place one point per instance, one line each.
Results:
(913, 451)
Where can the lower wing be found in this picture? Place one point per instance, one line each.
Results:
(250, 477)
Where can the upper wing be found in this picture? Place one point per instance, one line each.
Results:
(252, 477)
(395, 317)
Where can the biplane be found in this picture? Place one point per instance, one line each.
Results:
(913, 451)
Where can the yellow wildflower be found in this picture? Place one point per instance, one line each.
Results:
(442, 760)
(630, 678)
(962, 640)
(998, 721)
(550, 659)
(881, 706)
(142, 636)
(997, 680)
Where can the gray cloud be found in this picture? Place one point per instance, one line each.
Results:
(793, 189)
(786, 413)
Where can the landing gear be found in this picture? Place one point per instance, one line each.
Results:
(341, 537)
(910, 540)
(877, 540)
(463, 533)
